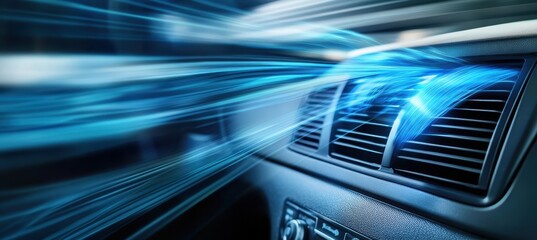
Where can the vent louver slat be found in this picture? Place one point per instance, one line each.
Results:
(312, 115)
(361, 139)
(452, 150)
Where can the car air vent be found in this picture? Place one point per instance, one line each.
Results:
(312, 115)
(441, 138)
(360, 130)
(453, 148)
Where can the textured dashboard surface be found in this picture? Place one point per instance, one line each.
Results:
(364, 214)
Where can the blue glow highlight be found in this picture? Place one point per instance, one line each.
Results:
(444, 92)
(425, 85)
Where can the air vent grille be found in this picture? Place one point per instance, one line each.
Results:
(312, 115)
(453, 148)
(419, 130)
(360, 130)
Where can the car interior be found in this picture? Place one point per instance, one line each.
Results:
(268, 119)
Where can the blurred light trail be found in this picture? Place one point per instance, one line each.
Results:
(393, 14)
(165, 21)
(103, 96)
(505, 30)
(93, 204)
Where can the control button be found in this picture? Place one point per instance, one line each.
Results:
(329, 229)
(310, 221)
(287, 218)
(294, 230)
(290, 211)
(349, 236)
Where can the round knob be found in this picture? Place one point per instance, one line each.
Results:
(294, 230)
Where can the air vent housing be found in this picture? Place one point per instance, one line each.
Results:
(454, 156)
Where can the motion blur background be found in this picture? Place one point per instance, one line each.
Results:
(217, 27)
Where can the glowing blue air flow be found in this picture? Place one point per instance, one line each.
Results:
(422, 85)
(442, 92)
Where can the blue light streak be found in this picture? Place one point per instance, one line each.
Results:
(423, 84)
(79, 100)
(444, 92)
(165, 21)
